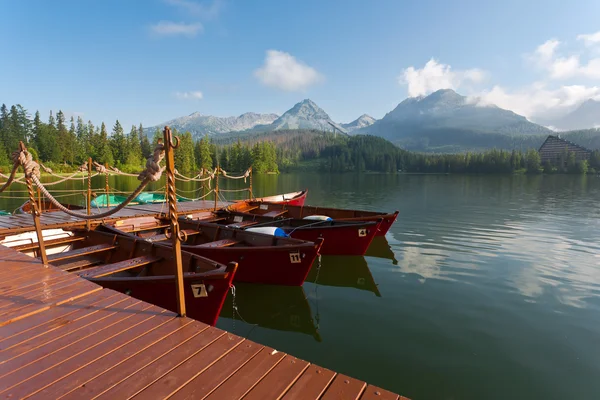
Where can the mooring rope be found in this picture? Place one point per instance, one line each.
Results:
(152, 173)
(197, 198)
(243, 176)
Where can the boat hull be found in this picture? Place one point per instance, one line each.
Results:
(350, 240)
(291, 199)
(161, 291)
(277, 265)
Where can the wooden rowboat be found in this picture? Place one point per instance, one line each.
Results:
(46, 206)
(288, 211)
(140, 269)
(112, 200)
(261, 258)
(350, 238)
(292, 199)
(146, 197)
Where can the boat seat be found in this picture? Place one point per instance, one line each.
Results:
(274, 214)
(162, 236)
(242, 224)
(109, 269)
(211, 220)
(86, 261)
(49, 243)
(220, 243)
(81, 252)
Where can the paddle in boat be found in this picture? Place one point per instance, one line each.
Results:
(261, 258)
(138, 268)
(280, 211)
(146, 197)
(292, 199)
(350, 238)
(112, 200)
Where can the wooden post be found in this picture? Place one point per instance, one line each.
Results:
(35, 212)
(217, 185)
(106, 186)
(175, 234)
(250, 190)
(39, 193)
(89, 194)
(203, 184)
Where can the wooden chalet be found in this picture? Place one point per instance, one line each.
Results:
(554, 147)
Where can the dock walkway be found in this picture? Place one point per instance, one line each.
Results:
(19, 223)
(64, 337)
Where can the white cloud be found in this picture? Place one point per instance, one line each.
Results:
(169, 28)
(194, 95)
(590, 39)
(546, 58)
(282, 71)
(538, 99)
(208, 10)
(434, 76)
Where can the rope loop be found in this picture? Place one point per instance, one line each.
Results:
(153, 170)
(100, 168)
(25, 159)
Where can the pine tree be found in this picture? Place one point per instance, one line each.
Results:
(134, 156)
(145, 145)
(119, 144)
(84, 142)
(105, 154)
(203, 156)
(61, 137)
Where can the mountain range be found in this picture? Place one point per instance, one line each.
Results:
(586, 116)
(443, 121)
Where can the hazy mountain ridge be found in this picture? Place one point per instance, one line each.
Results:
(586, 116)
(304, 115)
(361, 122)
(199, 125)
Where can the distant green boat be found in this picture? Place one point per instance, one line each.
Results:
(2, 212)
(154, 198)
(112, 200)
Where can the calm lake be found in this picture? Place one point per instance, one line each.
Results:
(487, 287)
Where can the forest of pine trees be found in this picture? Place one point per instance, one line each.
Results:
(64, 145)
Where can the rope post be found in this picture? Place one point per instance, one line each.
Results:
(217, 185)
(35, 212)
(250, 190)
(89, 194)
(106, 186)
(176, 236)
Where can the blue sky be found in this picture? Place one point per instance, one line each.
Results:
(153, 60)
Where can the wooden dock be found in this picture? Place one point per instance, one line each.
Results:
(64, 337)
(19, 223)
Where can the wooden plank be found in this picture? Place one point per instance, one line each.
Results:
(66, 334)
(344, 387)
(176, 344)
(43, 323)
(217, 373)
(74, 292)
(146, 323)
(37, 293)
(311, 385)
(274, 214)
(115, 357)
(83, 251)
(375, 393)
(24, 368)
(31, 283)
(109, 269)
(279, 379)
(184, 372)
(78, 264)
(242, 224)
(246, 377)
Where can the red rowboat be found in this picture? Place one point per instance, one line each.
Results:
(292, 199)
(338, 214)
(261, 258)
(142, 270)
(351, 238)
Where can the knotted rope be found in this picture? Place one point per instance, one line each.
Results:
(152, 173)
(243, 176)
(100, 168)
(119, 172)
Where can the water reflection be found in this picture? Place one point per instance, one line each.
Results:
(380, 248)
(343, 271)
(283, 308)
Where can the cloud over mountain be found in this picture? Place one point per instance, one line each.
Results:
(283, 71)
